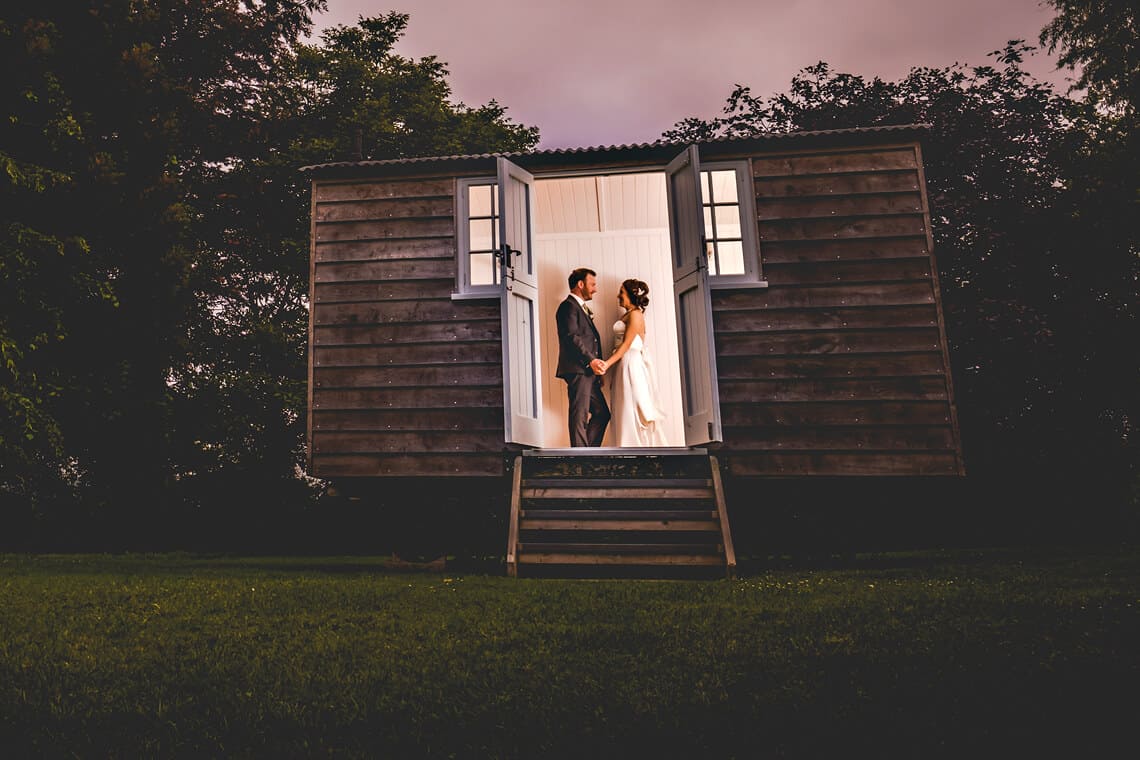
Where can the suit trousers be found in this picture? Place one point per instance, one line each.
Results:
(589, 413)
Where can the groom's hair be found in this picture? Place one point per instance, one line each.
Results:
(578, 275)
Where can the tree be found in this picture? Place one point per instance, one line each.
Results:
(240, 395)
(1103, 39)
(154, 232)
(1038, 279)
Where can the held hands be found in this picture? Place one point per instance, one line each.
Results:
(599, 367)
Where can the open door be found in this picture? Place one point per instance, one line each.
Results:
(700, 400)
(522, 389)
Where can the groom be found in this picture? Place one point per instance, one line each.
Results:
(580, 361)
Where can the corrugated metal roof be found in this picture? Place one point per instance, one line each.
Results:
(630, 148)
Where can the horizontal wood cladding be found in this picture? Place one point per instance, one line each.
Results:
(729, 322)
(410, 377)
(845, 272)
(832, 342)
(838, 368)
(390, 269)
(379, 230)
(405, 380)
(916, 364)
(825, 206)
(408, 441)
(376, 420)
(863, 437)
(797, 185)
(409, 354)
(410, 399)
(863, 294)
(366, 190)
(448, 331)
(794, 414)
(899, 225)
(421, 464)
(385, 250)
(843, 249)
(387, 290)
(409, 310)
(384, 210)
(841, 463)
(869, 389)
(833, 162)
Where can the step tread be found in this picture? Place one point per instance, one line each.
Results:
(641, 482)
(695, 526)
(619, 514)
(571, 558)
(526, 547)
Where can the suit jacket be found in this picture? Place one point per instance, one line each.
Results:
(578, 339)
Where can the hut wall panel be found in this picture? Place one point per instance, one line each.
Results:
(390, 269)
(381, 291)
(792, 414)
(405, 380)
(405, 333)
(835, 342)
(377, 420)
(385, 250)
(838, 367)
(414, 399)
(844, 249)
(417, 464)
(745, 319)
(872, 389)
(842, 463)
(879, 438)
(793, 186)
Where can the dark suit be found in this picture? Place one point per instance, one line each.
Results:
(578, 345)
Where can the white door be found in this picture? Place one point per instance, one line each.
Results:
(700, 402)
(522, 384)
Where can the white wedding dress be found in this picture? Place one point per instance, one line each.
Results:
(637, 415)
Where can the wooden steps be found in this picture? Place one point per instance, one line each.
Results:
(606, 510)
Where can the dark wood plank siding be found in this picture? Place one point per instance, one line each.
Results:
(839, 367)
(405, 380)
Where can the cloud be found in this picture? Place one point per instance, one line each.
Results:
(602, 72)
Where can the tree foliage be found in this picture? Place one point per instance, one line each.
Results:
(154, 245)
(1036, 249)
(1102, 39)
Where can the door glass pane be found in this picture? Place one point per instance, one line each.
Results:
(481, 200)
(723, 186)
(482, 235)
(730, 257)
(727, 222)
(483, 270)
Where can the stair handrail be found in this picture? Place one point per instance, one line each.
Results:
(722, 511)
(513, 528)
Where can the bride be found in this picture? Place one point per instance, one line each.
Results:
(637, 415)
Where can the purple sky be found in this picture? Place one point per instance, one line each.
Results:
(611, 72)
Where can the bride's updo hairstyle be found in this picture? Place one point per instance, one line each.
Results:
(637, 291)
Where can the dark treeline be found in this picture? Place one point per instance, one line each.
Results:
(1035, 201)
(154, 254)
(154, 259)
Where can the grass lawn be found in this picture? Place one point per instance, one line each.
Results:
(1000, 652)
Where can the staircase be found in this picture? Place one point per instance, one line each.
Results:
(643, 512)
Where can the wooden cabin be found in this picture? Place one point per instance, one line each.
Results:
(795, 318)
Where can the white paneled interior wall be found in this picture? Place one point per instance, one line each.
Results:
(615, 225)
